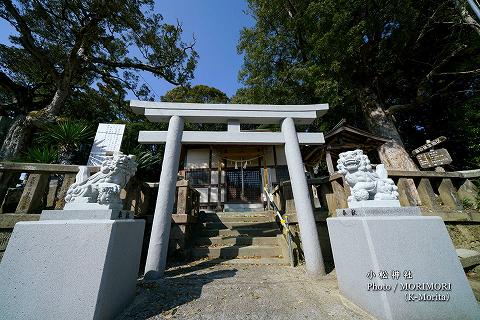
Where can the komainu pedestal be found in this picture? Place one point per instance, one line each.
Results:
(400, 267)
(70, 269)
(80, 263)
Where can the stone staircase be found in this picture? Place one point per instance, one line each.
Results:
(239, 237)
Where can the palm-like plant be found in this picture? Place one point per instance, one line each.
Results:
(67, 135)
(146, 159)
(47, 154)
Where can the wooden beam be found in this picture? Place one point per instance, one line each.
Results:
(330, 166)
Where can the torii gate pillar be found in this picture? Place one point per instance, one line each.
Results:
(303, 207)
(158, 246)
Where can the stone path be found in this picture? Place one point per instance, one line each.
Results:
(205, 291)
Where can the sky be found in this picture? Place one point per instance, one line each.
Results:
(216, 26)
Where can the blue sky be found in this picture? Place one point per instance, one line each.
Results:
(216, 25)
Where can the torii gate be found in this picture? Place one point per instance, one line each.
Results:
(234, 115)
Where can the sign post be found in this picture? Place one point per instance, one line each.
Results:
(429, 145)
(432, 158)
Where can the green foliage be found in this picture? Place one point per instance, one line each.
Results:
(146, 159)
(68, 137)
(67, 134)
(80, 58)
(45, 154)
(416, 60)
(148, 156)
(195, 94)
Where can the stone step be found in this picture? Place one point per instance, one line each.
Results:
(249, 261)
(254, 232)
(243, 207)
(237, 218)
(239, 213)
(236, 240)
(238, 225)
(237, 251)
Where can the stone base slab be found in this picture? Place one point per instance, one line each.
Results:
(374, 203)
(379, 211)
(79, 205)
(368, 252)
(108, 214)
(70, 269)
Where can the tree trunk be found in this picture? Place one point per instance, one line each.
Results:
(17, 139)
(392, 154)
(55, 106)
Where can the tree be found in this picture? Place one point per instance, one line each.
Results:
(388, 61)
(198, 94)
(62, 49)
(195, 94)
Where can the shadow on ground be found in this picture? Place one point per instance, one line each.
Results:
(181, 285)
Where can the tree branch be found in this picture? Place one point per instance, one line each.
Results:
(137, 66)
(27, 40)
(445, 60)
(400, 107)
(7, 83)
(469, 72)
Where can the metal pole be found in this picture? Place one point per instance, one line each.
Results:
(159, 238)
(303, 206)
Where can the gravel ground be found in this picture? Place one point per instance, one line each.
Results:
(204, 291)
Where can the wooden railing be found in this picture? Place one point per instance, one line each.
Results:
(450, 194)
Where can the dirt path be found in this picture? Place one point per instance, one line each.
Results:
(203, 291)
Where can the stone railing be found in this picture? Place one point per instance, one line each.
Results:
(185, 215)
(452, 195)
(46, 185)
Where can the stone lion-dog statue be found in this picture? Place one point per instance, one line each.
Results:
(365, 183)
(104, 186)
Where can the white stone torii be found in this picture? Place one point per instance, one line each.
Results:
(234, 115)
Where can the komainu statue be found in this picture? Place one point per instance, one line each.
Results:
(103, 188)
(365, 183)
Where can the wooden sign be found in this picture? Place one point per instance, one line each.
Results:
(429, 145)
(434, 158)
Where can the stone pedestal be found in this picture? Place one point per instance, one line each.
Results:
(379, 211)
(108, 214)
(400, 267)
(374, 204)
(70, 269)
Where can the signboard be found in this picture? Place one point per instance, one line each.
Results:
(429, 145)
(434, 158)
(108, 140)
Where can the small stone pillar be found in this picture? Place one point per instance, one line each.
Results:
(306, 220)
(158, 246)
